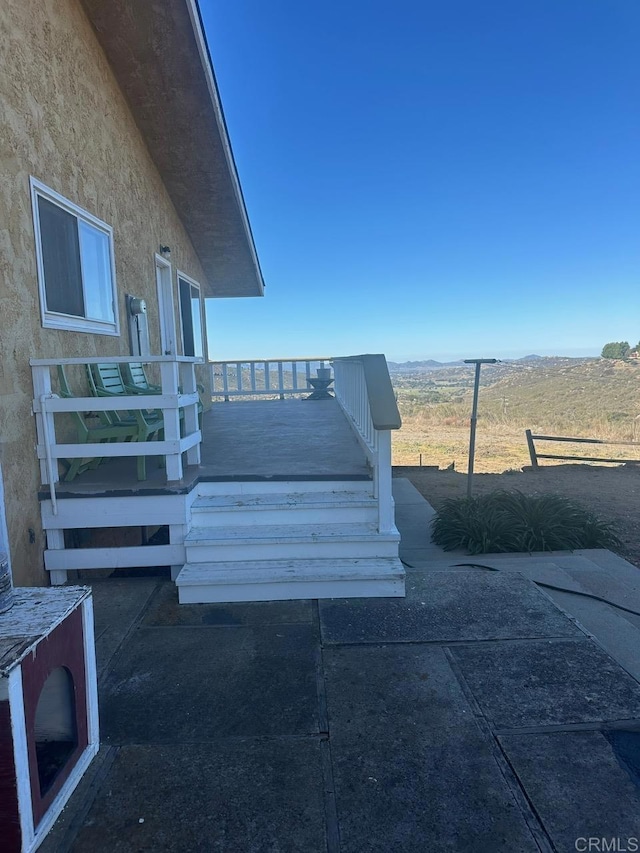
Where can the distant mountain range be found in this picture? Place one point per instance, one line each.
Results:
(432, 364)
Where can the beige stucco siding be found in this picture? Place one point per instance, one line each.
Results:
(65, 122)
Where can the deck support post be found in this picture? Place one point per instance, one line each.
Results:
(55, 542)
(169, 374)
(177, 533)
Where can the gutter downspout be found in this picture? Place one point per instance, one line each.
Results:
(47, 451)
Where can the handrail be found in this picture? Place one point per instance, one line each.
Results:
(364, 391)
(382, 398)
(272, 360)
(383, 408)
(117, 359)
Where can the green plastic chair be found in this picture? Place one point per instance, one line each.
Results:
(105, 380)
(106, 431)
(135, 380)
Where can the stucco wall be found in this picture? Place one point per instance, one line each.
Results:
(65, 121)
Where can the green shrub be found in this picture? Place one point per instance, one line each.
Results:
(512, 521)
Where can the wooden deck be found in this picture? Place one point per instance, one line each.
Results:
(247, 440)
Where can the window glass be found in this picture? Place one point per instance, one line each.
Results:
(96, 273)
(191, 315)
(196, 316)
(186, 316)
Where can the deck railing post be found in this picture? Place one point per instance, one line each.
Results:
(45, 424)
(281, 380)
(383, 473)
(55, 542)
(212, 376)
(169, 376)
(189, 386)
(225, 382)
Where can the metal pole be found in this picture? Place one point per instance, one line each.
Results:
(474, 415)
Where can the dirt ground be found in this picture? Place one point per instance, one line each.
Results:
(612, 493)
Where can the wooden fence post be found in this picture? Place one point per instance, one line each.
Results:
(532, 449)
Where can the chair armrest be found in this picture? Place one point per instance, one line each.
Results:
(102, 392)
(136, 389)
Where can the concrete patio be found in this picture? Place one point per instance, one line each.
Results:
(481, 713)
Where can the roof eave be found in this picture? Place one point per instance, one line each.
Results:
(159, 55)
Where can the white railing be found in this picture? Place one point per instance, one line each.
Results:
(363, 389)
(264, 377)
(179, 391)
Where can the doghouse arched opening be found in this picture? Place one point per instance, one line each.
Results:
(56, 729)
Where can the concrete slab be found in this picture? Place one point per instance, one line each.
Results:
(578, 786)
(393, 691)
(441, 560)
(117, 605)
(241, 795)
(191, 684)
(600, 582)
(413, 518)
(547, 682)
(164, 610)
(614, 630)
(447, 606)
(414, 521)
(403, 794)
(612, 563)
(412, 770)
(404, 492)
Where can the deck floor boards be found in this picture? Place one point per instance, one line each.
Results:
(265, 439)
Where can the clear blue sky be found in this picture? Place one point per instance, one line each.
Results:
(433, 179)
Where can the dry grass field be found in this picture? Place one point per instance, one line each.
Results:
(591, 398)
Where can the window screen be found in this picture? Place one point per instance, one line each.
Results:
(61, 259)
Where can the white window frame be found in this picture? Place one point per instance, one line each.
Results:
(54, 319)
(193, 283)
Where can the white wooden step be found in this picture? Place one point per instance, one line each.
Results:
(274, 508)
(282, 542)
(277, 580)
(253, 487)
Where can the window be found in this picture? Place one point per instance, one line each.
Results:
(190, 317)
(74, 252)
